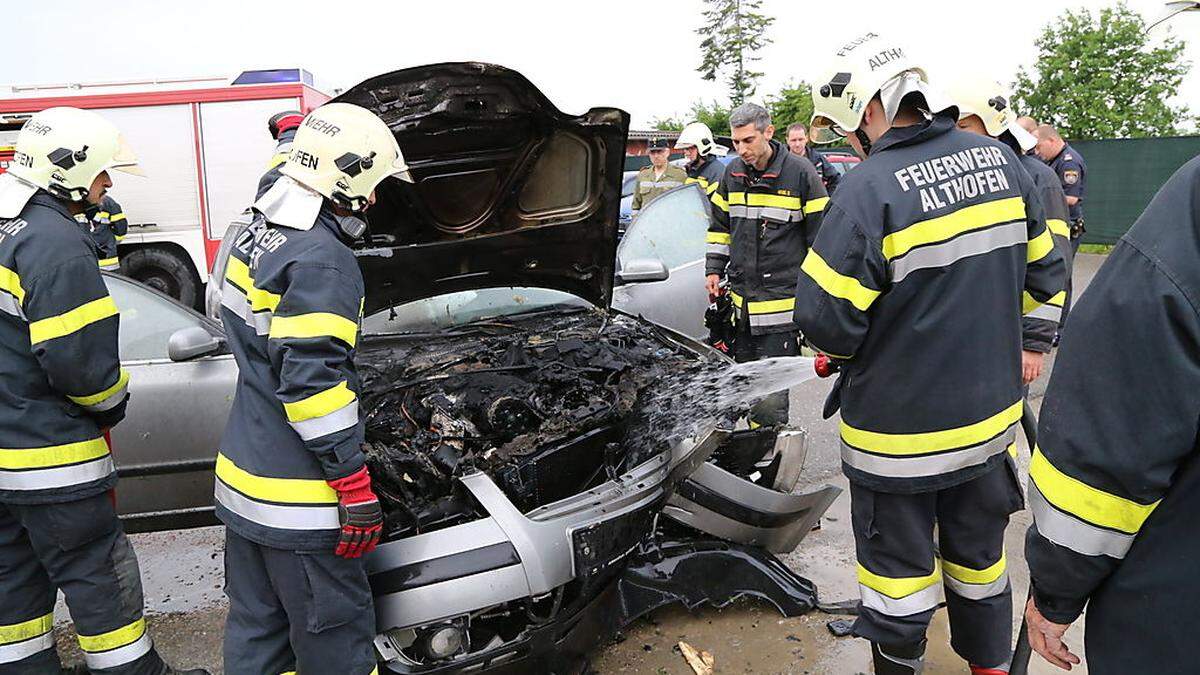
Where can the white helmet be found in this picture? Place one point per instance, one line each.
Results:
(991, 102)
(696, 134)
(342, 152)
(866, 66)
(62, 150)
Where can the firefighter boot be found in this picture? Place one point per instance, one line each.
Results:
(907, 659)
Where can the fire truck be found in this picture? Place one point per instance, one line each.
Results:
(203, 143)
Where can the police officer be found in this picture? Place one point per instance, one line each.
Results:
(797, 140)
(282, 127)
(984, 107)
(1115, 479)
(1071, 170)
(61, 388)
(107, 225)
(916, 284)
(703, 168)
(292, 485)
(766, 211)
(658, 177)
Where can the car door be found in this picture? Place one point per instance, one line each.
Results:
(671, 229)
(166, 446)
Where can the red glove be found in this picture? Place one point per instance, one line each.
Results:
(360, 514)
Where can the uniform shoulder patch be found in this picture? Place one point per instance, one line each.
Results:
(1070, 176)
(1067, 157)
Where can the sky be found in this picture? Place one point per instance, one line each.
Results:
(636, 55)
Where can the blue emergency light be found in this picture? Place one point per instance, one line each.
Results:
(275, 76)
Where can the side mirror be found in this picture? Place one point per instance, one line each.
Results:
(186, 344)
(642, 270)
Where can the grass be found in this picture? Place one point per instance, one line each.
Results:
(1102, 249)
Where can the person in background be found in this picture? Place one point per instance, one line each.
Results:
(658, 177)
(1072, 172)
(696, 141)
(107, 225)
(797, 141)
(1029, 124)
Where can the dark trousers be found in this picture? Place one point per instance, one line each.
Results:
(772, 410)
(1075, 241)
(900, 567)
(288, 611)
(79, 548)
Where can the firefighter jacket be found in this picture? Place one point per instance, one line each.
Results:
(649, 186)
(1115, 477)
(825, 168)
(706, 173)
(929, 252)
(1041, 324)
(291, 305)
(282, 148)
(61, 380)
(108, 226)
(762, 225)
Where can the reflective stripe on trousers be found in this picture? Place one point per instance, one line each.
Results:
(116, 648)
(22, 640)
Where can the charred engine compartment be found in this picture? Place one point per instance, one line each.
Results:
(545, 403)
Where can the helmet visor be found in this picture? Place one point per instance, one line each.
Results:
(124, 159)
(824, 130)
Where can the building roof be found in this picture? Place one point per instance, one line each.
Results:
(651, 134)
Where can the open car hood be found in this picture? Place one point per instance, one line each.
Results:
(509, 190)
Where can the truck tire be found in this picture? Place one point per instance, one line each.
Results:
(163, 271)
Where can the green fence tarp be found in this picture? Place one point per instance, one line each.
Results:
(1122, 177)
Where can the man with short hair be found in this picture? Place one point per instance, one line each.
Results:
(1072, 172)
(766, 212)
(797, 140)
(658, 177)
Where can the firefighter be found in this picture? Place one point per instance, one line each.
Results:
(765, 214)
(984, 107)
(292, 485)
(1068, 164)
(106, 224)
(61, 388)
(1114, 481)
(282, 127)
(703, 168)
(916, 284)
(797, 141)
(658, 177)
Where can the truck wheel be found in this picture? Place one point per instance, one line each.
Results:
(163, 271)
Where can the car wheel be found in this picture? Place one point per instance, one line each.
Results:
(164, 272)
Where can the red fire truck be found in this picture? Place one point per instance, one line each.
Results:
(202, 142)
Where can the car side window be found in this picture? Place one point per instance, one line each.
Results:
(147, 320)
(671, 229)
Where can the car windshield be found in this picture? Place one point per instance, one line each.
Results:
(451, 310)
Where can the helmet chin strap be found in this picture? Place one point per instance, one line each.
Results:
(864, 140)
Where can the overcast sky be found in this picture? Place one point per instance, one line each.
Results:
(637, 55)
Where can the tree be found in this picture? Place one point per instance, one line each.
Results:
(792, 104)
(715, 115)
(1101, 77)
(733, 30)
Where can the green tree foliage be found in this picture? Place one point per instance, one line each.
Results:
(1102, 77)
(715, 115)
(792, 104)
(733, 31)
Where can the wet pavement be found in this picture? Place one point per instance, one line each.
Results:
(183, 578)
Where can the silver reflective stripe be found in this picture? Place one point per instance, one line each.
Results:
(1048, 312)
(119, 656)
(927, 465)
(1070, 532)
(965, 246)
(772, 212)
(923, 600)
(110, 268)
(976, 591)
(58, 477)
(233, 299)
(10, 305)
(114, 400)
(772, 319)
(277, 515)
(23, 650)
(342, 418)
(718, 249)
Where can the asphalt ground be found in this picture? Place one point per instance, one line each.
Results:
(183, 576)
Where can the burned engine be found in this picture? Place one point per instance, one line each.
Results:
(548, 405)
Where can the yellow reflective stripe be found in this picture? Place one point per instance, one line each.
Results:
(932, 441)
(1084, 501)
(53, 455)
(122, 380)
(771, 306)
(720, 202)
(1029, 303)
(72, 321)
(1012, 450)
(953, 224)
(837, 284)
(19, 632)
(11, 282)
(897, 587)
(763, 199)
(816, 205)
(114, 218)
(972, 576)
(113, 638)
(278, 159)
(718, 238)
(109, 262)
(737, 299)
(282, 490)
(317, 324)
(712, 187)
(120, 237)
(1058, 299)
(237, 272)
(320, 404)
(1058, 227)
(1039, 247)
(101, 214)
